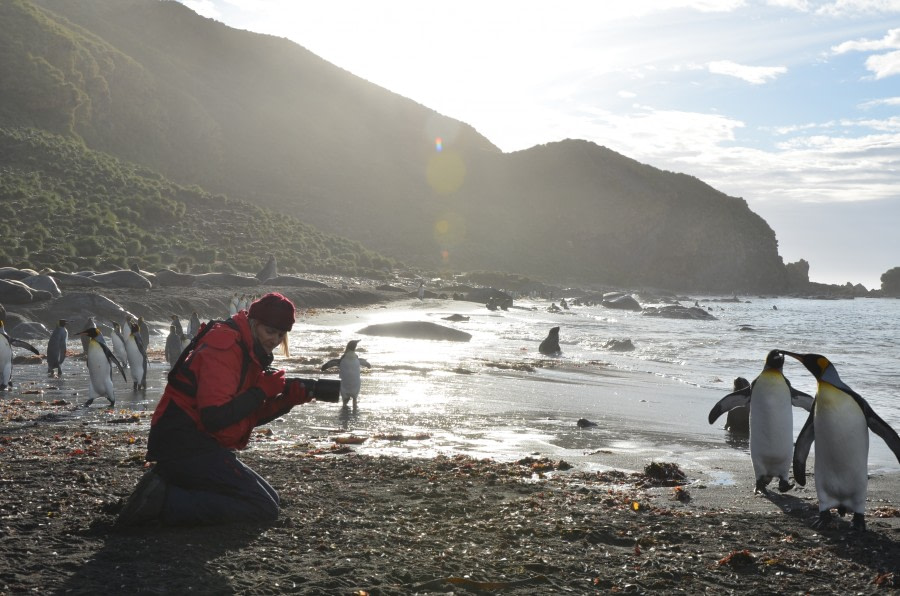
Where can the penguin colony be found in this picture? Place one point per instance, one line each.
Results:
(839, 422)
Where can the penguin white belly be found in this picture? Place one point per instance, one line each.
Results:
(350, 378)
(771, 427)
(100, 373)
(135, 361)
(841, 451)
(5, 362)
(119, 351)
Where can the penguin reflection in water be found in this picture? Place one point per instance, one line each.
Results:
(349, 366)
(100, 362)
(769, 397)
(839, 423)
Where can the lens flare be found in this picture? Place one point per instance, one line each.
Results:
(446, 172)
(438, 144)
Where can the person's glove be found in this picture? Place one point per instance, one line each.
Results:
(271, 383)
(299, 391)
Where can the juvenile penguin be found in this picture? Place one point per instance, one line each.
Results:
(56, 348)
(6, 355)
(770, 397)
(349, 366)
(137, 357)
(100, 361)
(839, 424)
(550, 345)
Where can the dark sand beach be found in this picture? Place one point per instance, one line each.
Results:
(359, 524)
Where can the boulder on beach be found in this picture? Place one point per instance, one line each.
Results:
(70, 280)
(123, 278)
(16, 292)
(15, 273)
(294, 282)
(225, 280)
(679, 312)
(416, 330)
(43, 282)
(621, 302)
(169, 278)
(30, 330)
(83, 305)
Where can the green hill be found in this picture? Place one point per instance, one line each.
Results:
(261, 119)
(69, 208)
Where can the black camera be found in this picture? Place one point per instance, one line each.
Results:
(328, 390)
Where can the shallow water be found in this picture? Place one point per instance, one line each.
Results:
(496, 396)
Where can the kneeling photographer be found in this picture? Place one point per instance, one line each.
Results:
(218, 391)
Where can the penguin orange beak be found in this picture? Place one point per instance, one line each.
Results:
(792, 355)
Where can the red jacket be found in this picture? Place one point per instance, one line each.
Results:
(225, 408)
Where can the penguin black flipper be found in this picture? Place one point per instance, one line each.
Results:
(112, 358)
(139, 342)
(881, 428)
(364, 362)
(802, 446)
(731, 401)
(800, 399)
(331, 363)
(23, 344)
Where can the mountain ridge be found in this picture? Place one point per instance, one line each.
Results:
(263, 120)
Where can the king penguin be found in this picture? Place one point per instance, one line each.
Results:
(194, 325)
(137, 356)
(349, 366)
(770, 397)
(173, 344)
(56, 348)
(6, 355)
(100, 361)
(118, 344)
(838, 422)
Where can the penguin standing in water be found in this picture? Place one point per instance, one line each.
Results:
(349, 366)
(100, 361)
(770, 397)
(421, 293)
(550, 345)
(6, 355)
(145, 331)
(118, 345)
(194, 325)
(839, 423)
(173, 344)
(56, 348)
(137, 356)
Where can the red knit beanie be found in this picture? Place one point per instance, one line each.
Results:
(273, 310)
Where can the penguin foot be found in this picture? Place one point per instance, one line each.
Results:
(761, 485)
(784, 485)
(859, 522)
(823, 521)
(88, 403)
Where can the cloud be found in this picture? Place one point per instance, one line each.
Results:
(884, 101)
(890, 41)
(755, 75)
(884, 65)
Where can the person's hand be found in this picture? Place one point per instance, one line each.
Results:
(299, 391)
(271, 383)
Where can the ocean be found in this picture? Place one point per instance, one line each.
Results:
(496, 396)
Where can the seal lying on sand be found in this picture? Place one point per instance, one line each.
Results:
(416, 330)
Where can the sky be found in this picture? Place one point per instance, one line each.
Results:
(792, 105)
